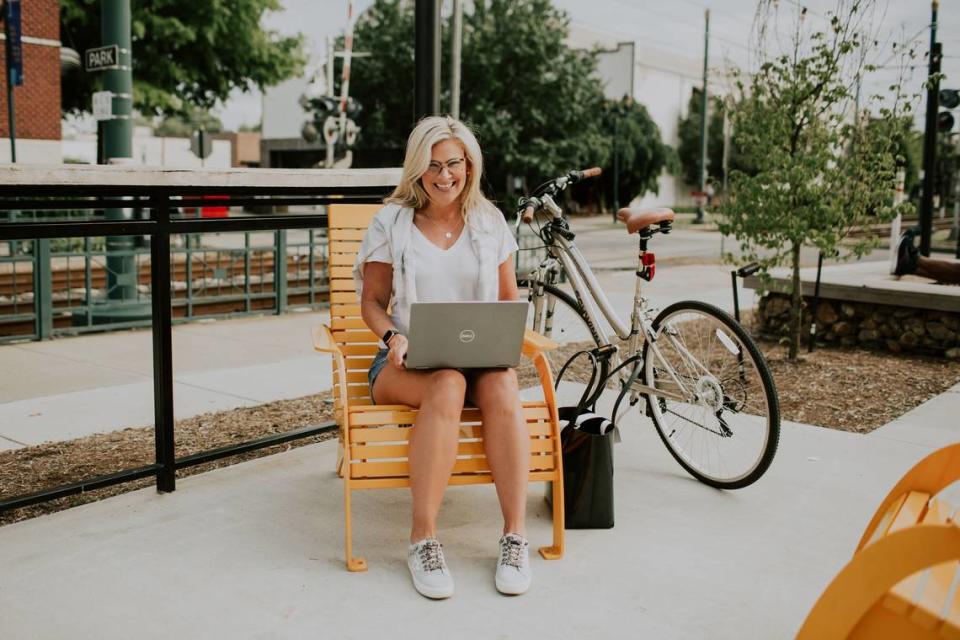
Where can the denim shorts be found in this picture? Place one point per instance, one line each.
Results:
(379, 362)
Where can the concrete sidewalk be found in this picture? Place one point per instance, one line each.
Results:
(255, 550)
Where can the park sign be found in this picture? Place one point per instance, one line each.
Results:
(102, 58)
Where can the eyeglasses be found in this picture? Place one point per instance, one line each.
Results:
(455, 166)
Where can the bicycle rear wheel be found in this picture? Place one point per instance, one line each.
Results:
(718, 416)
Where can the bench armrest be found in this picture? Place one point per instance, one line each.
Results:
(323, 340)
(324, 343)
(533, 342)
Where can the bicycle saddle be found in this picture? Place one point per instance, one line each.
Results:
(637, 219)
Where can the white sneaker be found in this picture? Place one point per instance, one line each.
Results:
(429, 570)
(513, 567)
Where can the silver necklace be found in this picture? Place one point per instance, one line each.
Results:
(447, 234)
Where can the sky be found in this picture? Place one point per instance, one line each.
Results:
(676, 27)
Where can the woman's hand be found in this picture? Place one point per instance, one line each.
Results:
(398, 350)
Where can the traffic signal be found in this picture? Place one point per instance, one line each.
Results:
(949, 99)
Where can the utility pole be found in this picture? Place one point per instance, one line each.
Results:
(330, 71)
(616, 162)
(118, 149)
(426, 58)
(703, 122)
(930, 136)
(456, 45)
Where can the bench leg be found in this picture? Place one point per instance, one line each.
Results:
(339, 469)
(353, 564)
(556, 551)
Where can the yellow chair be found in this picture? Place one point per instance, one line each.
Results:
(901, 581)
(374, 438)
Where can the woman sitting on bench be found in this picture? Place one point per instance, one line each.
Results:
(438, 239)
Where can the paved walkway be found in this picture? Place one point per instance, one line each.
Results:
(255, 550)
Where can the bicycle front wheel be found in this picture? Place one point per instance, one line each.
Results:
(556, 314)
(716, 410)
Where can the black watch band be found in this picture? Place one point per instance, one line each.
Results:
(388, 335)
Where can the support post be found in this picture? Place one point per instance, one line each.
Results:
(43, 287)
(456, 45)
(616, 163)
(122, 294)
(813, 308)
(426, 58)
(280, 271)
(11, 21)
(162, 352)
(930, 136)
(703, 120)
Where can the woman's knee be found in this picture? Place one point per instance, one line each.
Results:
(501, 384)
(498, 392)
(446, 389)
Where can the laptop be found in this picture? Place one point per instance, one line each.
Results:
(466, 335)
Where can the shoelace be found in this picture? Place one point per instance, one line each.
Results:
(431, 556)
(510, 552)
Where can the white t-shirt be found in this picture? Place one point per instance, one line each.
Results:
(450, 275)
(445, 275)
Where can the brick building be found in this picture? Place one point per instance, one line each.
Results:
(37, 101)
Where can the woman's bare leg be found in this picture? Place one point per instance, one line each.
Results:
(433, 442)
(506, 441)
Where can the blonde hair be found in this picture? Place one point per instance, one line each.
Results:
(428, 132)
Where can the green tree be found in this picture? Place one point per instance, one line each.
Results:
(688, 133)
(184, 53)
(820, 171)
(536, 104)
(643, 155)
(688, 149)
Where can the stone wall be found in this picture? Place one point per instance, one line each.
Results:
(867, 325)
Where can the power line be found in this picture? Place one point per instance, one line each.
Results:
(681, 20)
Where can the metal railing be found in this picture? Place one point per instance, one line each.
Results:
(213, 276)
(161, 195)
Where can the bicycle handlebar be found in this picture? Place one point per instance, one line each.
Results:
(529, 206)
(527, 215)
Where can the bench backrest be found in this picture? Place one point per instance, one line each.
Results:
(347, 223)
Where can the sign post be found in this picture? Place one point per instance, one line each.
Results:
(14, 51)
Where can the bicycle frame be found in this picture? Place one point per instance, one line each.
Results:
(594, 301)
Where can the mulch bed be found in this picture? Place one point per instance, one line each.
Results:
(846, 389)
(32, 469)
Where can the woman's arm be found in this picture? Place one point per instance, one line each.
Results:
(508, 280)
(377, 287)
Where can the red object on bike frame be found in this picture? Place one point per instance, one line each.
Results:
(649, 262)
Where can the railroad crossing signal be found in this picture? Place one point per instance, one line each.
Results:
(949, 99)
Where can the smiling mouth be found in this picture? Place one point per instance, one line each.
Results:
(444, 186)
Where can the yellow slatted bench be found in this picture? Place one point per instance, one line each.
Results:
(374, 438)
(904, 578)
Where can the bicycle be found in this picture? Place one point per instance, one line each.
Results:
(705, 384)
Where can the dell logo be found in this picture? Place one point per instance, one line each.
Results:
(467, 335)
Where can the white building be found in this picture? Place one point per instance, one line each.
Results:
(662, 81)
